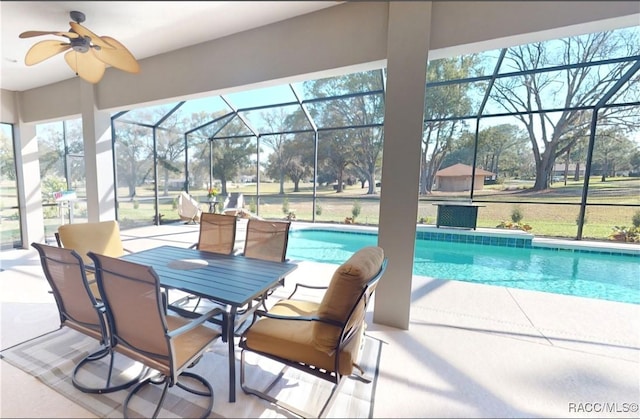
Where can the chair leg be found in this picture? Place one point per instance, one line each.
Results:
(108, 388)
(164, 380)
(291, 409)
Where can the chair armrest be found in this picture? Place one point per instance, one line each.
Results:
(193, 246)
(196, 322)
(331, 322)
(313, 287)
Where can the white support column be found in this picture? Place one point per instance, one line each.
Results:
(407, 46)
(98, 158)
(28, 184)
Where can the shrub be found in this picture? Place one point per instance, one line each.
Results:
(318, 208)
(624, 234)
(285, 206)
(252, 205)
(516, 215)
(52, 184)
(136, 204)
(514, 226)
(635, 220)
(355, 210)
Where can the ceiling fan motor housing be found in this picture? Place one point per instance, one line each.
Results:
(81, 44)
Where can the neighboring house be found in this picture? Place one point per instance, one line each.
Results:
(457, 178)
(558, 170)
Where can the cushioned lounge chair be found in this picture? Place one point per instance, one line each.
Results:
(233, 204)
(188, 208)
(322, 339)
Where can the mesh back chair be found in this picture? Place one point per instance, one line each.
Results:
(101, 237)
(141, 330)
(322, 339)
(267, 240)
(79, 310)
(217, 235)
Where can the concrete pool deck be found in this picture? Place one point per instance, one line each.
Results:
(471, 350)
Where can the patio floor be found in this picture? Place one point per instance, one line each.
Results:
(471, 350)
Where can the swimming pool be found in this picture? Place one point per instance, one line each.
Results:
(613, 277)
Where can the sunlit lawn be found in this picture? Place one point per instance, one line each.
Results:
(548, 219)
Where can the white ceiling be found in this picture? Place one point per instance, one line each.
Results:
(146, 28)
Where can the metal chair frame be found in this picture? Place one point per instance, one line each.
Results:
(54, 255)
(145, 276)
(346, 335)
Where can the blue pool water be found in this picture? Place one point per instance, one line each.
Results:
(606, 277)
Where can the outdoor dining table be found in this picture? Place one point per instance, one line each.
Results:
(233, 281)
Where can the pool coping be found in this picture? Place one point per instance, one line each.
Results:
(485, 236)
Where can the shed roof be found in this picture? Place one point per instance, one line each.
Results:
(460, 169)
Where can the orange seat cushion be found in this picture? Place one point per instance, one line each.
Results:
(344, 290)
(293, 339)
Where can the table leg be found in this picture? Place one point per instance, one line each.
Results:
(231, 318)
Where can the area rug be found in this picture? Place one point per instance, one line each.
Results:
(52, 357)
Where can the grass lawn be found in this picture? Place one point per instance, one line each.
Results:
(551, 213)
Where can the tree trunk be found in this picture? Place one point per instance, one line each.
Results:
(371, 178)
(165, 191)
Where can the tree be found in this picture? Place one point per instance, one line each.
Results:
(229, 155)
(7, 164)
(363, 141)
(301, 159)
(275, 140)
(499, 149)
(134, 155)
(170, 154)
(336, 155)
(439, 134)
(496, 143)
(611, 153)
(530, 94)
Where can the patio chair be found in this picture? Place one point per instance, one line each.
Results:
(101, 237)
(79, 310)
(233, 204)
(188, 208)
(267, 240)
(141, 330)
(322, 339)
(217, 235)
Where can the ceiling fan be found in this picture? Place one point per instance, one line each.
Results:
(87, 53)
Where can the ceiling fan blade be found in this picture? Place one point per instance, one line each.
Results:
(85, 65)
(119, 57)
(95, 39)
(42, 50)
(30, 34)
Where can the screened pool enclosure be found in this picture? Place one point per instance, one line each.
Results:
(544, 136)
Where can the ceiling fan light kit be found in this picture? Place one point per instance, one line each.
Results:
(87, 53)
